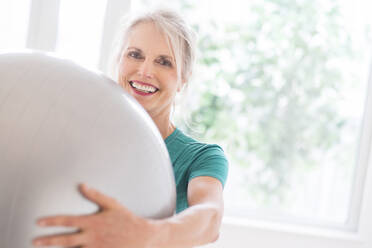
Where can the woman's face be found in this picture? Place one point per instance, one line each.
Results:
(147, 69)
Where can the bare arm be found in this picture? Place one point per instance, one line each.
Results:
(197, 225)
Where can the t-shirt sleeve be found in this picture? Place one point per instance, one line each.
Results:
(210, 161)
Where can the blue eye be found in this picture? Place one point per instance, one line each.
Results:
(164, 62)
(135, 54)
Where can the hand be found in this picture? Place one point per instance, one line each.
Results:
(113, 226)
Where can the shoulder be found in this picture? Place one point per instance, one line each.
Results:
(178, 142)
(210, 160)
(200, 159)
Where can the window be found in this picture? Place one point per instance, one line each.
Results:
(282, 86)
(80, 31)
(13, 23)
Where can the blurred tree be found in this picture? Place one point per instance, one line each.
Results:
(268, 89)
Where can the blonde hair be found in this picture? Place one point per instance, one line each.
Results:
(180, 36)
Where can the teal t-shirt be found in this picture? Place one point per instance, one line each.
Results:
(191, 159)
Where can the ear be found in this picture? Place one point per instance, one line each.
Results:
(183, 83)
(181, 86)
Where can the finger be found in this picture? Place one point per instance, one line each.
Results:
(64, 240)
(63, 220)
(97, 197)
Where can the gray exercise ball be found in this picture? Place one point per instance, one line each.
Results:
(62, 124)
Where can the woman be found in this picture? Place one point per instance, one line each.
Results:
(153, 64)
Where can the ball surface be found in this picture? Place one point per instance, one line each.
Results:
(60, 125)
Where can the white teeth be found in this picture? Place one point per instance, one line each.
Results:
(143, 87)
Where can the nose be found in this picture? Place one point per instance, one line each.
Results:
(146, 69)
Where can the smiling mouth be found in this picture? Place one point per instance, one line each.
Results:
(143, 88)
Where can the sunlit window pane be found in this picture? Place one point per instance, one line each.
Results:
(281, 86)
(80, 30)
(14, 15)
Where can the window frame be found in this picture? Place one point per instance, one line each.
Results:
(358, 234)
(43, 25)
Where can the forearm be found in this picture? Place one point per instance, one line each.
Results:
(197, 225)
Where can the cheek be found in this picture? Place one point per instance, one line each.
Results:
(127, 67)
(170, 80)
(124, 73)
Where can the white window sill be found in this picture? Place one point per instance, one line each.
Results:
(245, 225)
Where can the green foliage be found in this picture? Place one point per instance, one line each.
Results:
(269, 89)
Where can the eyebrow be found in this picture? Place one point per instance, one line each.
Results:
(161, 55)
(134, 48)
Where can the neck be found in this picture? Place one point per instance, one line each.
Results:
(165, 126)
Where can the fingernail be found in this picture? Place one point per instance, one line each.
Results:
(38, 242)
(41, 223)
